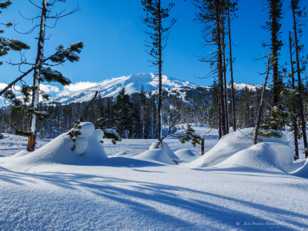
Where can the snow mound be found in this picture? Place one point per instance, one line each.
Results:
(302, 172)
(162, 154)
(226, 147)
(268, 157)
(186, 155)
(86, 150)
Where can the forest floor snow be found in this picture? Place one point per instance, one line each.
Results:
(247, 189)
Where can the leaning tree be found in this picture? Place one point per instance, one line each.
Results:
(43, 67)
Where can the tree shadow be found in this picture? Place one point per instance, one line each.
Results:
(195, 210)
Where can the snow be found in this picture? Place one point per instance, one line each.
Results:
(226, 147)
(302, 171)
(84, 91)
(248, 187)
(186, 155)
(271, 157)
(134, 83)
(87, 151)
(159, 153)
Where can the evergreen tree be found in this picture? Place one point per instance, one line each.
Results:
(42, 69)
(273, 25)
(190, 135)
(294, 102)
(213, 15)
(158, 23)
(232, 8)
(7, 44)
(123, 113)
(297, 13)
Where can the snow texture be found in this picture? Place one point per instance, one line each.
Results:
(186, 155)
(249, 187)
(302, 171)
(87, 151)
(159, 153)
(227, 146)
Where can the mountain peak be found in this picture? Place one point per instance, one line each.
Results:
(148, 82)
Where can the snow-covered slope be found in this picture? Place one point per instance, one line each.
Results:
(159, 154)
(86, 150)
(81, 92)
(267, 157)
(122, 193)
(84, 91)
(226, 147)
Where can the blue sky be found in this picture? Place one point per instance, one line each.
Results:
(113, 34)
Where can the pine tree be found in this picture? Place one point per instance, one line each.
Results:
(294, 102)
(273, 25)
(232, 8)
(123, 113)
(42, 70)
(298, 12)
(158, 23)
(213, 14)
(262, 102)
(7, 44)
(190, 135)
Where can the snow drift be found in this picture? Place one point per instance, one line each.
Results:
(236, 151)
(162, 154)
(86, 150)
(186, 155)
(226, 147)
(269, 157)
(302, 172)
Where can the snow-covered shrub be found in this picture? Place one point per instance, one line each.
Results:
(79, 134)
(112, 133)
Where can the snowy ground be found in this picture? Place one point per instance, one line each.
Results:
(125, 193)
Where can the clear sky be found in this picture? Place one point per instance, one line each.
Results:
(113, 34)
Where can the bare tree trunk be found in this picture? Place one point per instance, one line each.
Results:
(295, 127)
(160, 98)
(299, 78)
(231, 73)
(261, 105)
(222, 116)
(202, 146)
(36, 77)
(225, 79)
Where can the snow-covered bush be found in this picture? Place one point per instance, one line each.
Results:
(79, 134)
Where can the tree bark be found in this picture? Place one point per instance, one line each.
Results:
(225, 79)
(233, 103)
(261, 105)
(36, 77)
(160, 98)
(222, 115)
(295, 127)
(299, 79)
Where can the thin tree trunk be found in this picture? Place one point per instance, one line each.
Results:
(261, 105)
(299, 79)
(36, 77)
(202, 146)
(295, 127)
(159, 112)
(233, 103)
(222, 116)
(225, 79)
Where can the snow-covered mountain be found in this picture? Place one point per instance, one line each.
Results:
(84, 91)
